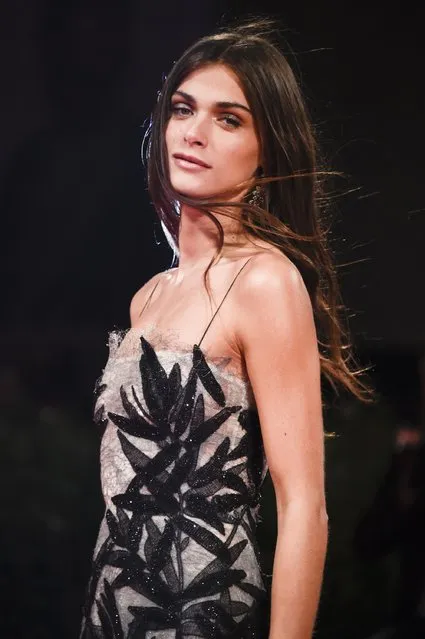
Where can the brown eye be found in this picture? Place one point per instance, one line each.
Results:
(231, 121)
(180, 109)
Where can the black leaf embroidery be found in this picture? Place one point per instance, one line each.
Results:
(152, 618)
(138, 503)
(108, 613)
(114, 529)
(199, 506)
(181, 471)
(136, 427)
(220, 564)
(181, 411)
(211, 425)
(99, 417)
(177, 508)
(153, 537)
(205, 626)
(214, 583)
(90, 631)
(201, 535)
(232, 480)
(224, 503)
(207, 378)
(149, 585)
(163, 548)
(213, 467)
(98, 563)
(135, 529)
(154, 380)
(251, 589)
(184, 544)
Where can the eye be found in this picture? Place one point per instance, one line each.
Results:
(231, 121)
(180, 108)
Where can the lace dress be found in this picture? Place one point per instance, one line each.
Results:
(182, 464)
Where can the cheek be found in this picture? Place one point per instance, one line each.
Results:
(243, 157)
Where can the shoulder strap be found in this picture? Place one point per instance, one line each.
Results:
(211, 320)
(234, 280)
(149, 298)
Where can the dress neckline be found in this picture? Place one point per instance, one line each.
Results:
(184, 349)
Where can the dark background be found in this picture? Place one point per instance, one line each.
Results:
(79, 237)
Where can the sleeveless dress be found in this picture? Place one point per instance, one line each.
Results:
(182, 464)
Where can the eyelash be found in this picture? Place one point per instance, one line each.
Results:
(232, 121)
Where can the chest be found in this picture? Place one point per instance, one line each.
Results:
(179, 315)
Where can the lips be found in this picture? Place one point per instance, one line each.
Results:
(192, 159)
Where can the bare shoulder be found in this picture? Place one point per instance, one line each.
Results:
(140, 297)
(272, 299)
(270, 273)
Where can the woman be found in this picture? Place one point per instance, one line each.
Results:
(191, 430)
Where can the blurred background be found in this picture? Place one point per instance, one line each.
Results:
(79, 236)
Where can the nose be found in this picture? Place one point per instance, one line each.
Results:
(195, 134)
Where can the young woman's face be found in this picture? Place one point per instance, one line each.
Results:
(211, 141)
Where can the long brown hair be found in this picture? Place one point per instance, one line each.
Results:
(291, 181)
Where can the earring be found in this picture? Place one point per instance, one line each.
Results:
(257, 197)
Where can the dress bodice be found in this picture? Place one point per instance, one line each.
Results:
(182, 464)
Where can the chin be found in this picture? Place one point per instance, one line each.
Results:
(191, 191)
(198, 192)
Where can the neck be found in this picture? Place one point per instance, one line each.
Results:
(199, 238)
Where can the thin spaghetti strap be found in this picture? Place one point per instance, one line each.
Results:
(149, 298)
(211, 320)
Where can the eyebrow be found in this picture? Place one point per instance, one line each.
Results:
(221, 105)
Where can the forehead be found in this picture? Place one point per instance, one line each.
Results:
(214, 83)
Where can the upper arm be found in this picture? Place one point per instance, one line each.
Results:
(140, 298)
(278, 339)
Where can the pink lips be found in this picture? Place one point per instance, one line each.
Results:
(191, 159)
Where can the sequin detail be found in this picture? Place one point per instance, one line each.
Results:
(182, 469)
(182, 464)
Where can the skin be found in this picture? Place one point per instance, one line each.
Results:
(224, 138)
(272, 327)
(278, 338)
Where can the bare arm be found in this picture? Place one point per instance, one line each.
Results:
(278, 338)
